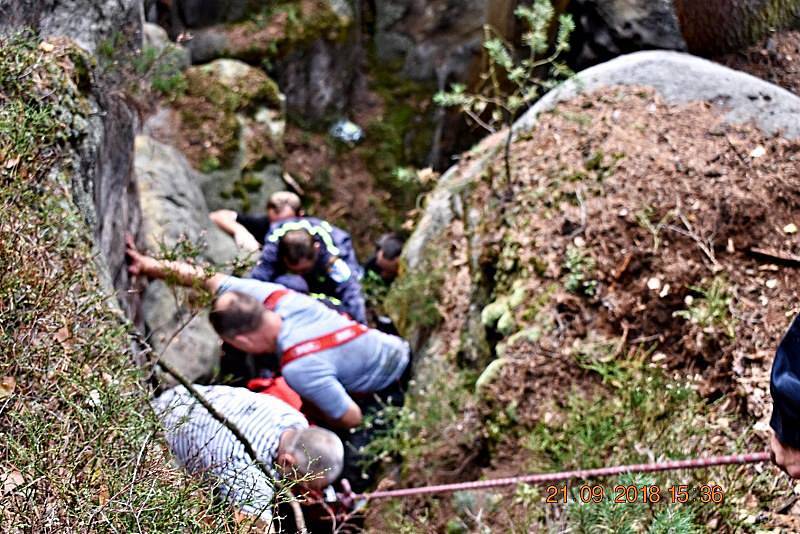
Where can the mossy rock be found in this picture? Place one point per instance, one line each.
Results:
(278, 30)
(233, 85)
(210, 128)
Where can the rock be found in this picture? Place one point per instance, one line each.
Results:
(199, 13)
(207, 45)
(319, 81)
(605, 29)
(173, 210)
(684, 78)
(719, 26)
(315, 53)
(87, 22)
(103, 187)
(247, 192)
(433, 40)
(231, 128)
(677, 77)
(171, 58)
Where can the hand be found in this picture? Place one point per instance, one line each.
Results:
(246, 241)
(787, 458)
(139, 264)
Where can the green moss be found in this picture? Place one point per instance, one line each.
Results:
(413, 297)
(493, 312)
(210, 164)
(281, 28)
(208, 112)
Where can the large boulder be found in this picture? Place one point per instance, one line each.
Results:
(231, 124)
(684, 78)
(676, 77)
(175, 218)
(313, 47)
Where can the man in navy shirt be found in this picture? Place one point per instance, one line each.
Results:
(311, 256)
(785, 389)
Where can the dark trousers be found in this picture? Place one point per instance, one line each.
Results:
(359, 470)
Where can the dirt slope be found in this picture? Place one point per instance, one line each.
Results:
(619, 280)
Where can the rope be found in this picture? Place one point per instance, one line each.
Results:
(696, 463)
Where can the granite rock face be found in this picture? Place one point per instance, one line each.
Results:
(174, 212)
(432, 40)
(608, 28)
(103, 184)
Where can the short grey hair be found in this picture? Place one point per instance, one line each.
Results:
(318, 452)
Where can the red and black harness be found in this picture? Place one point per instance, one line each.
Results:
(318, 344)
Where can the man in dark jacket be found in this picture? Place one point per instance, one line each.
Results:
(386, 261)
(312, 256)
(785, 389)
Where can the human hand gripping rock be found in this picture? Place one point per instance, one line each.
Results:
(785, 457)
(138, 263)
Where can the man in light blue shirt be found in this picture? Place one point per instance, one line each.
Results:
(325, 357)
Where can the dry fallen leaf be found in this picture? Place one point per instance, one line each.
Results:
(103, 495)
(10, 480)
(7, 386)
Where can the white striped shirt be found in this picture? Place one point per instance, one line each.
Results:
(203, 445)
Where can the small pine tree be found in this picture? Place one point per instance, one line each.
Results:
(514, 80)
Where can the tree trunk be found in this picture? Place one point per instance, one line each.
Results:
(718, 26)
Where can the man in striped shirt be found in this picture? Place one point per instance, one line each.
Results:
(278, 433)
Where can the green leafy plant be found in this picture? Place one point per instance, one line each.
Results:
(580, 267)
(712, 310)
(513, 81)
(412, 299)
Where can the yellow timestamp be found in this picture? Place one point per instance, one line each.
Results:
(629, 494)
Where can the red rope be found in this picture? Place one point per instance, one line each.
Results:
(696, 463)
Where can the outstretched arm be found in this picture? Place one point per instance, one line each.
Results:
(183, 273)
(226, 221)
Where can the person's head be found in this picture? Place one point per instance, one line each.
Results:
(313, 453)
(298, 250)
(387, 256)
(282, 205)
(242, 321)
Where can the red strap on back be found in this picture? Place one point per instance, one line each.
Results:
(272, 299)
(328, 341)
(277, 387)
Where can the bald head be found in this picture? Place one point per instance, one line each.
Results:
(315, 452)
(282, 205)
